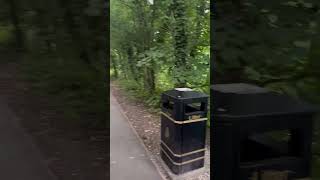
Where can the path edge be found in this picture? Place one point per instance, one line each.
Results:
(140, 140)
(18, 122)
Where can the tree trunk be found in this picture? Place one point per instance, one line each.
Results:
(132, 64)
(77, 38)
(313, 57)
(114, 66)
(151, 70)
(180, 37)
(152, 80)
(146, 28)
(16, 24)
(198, 31)
(123, 64)
(149, 80)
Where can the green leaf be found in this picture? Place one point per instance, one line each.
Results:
(252, 73)
(308, 5)
(264, 10)
(291, 3)
(273, 18)
(302, 44)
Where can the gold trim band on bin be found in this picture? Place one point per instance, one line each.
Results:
(182, 155)
(184, 122)
(183, 163)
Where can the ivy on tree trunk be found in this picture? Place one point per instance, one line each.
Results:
(180, 40)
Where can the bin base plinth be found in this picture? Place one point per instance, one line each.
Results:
(181, 169)
(186, 175)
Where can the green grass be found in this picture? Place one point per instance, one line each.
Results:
(80, 90)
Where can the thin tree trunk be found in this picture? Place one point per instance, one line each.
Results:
(151, 70)
(149, 73)
(131, 64)
(198, 31)
(152, 83)
(123, 64)
(16, 24)
(314, 55)
(180, 37)
(75, 34)
(114, 66)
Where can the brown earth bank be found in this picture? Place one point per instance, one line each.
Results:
(72, 152)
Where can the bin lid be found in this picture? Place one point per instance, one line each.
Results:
(263, 104)
(238, 88)
(185, 93)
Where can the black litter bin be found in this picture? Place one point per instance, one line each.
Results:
(183, 129)
(242, 116)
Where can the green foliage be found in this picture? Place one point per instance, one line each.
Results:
(158, 47)
(64, 52)
(5, 34)
(81, 90)
(271, 44)
(139, 94)
(155, 55)
(161, 46)
(274, 44)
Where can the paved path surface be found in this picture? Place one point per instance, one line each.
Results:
(128, 158)
(19, 157)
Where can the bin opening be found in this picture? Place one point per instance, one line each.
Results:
(194, 107)
(168, 105)
(263, 146)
